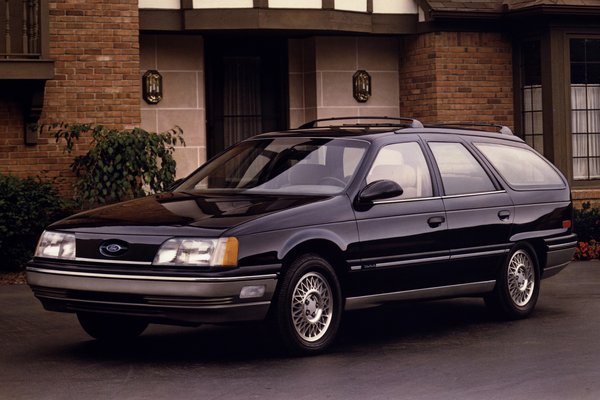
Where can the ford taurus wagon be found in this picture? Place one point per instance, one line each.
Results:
(296, 227)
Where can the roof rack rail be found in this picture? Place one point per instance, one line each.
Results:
(503, 129)
(414, 123)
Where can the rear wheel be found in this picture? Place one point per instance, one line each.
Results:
(518, 285)
(309, 306)
(107, 327)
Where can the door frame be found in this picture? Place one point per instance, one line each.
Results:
(273, 51)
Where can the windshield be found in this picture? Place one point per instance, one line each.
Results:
(281, 165)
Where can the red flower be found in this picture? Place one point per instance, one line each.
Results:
(587, 250)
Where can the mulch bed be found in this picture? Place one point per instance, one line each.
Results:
(12, 278)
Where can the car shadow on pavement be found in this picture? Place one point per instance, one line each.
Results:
(412, 322)
(177, 344)
(404, 324)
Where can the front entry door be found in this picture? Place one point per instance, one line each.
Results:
(246, 81)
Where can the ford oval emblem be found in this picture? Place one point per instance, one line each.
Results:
(113, 248)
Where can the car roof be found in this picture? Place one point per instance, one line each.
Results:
(374, 131)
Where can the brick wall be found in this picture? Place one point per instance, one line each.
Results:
(95, 46)
(457, 76)
(581, 196)
(45, 159)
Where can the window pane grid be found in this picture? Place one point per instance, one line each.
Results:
(533, 124)
(531, 95)
(585, 109)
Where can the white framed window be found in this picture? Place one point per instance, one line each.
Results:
(585, 107)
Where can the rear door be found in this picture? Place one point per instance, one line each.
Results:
(479, 211)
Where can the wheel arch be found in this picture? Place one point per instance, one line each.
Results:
(538, 246)
(325, 244)
(324, 248)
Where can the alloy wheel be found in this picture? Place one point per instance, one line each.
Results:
(311, 306)
(521, 278)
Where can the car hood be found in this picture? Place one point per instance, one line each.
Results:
(181, 213)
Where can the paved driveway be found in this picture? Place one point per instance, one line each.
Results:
(448, 349)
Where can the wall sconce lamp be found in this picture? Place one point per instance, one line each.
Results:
(152, 87)
(361, 86)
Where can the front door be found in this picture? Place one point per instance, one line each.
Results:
(403, 240)
(246, 87)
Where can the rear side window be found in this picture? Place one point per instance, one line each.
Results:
(461, 172)
(521, 167)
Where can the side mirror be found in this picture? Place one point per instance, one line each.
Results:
(379, 190)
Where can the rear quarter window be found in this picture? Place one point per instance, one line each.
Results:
(461, 173)
(521, 168)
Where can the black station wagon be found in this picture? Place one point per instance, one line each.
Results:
(295, 227)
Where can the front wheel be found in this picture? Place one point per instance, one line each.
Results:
(308, 308)
(111, 328)
(518, 285)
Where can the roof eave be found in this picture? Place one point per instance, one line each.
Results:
(552, 10)
(464, 15)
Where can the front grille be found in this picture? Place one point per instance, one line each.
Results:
(124, 268)
(188, 302)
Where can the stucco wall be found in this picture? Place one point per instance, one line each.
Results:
(320, 77)
(180, 61)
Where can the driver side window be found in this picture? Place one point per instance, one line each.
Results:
(403, 163)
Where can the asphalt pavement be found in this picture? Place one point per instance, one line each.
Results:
(450, 349)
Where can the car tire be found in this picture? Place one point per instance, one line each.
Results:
(107, 327)
(517, 288)
(308, 306)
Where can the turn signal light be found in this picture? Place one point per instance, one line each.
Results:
(230, 254)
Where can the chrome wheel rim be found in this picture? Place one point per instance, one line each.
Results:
(311, 307)
(521, 278)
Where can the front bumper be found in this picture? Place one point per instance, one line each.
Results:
(162, 299)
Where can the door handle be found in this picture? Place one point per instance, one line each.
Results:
(504, 214)
(434, 222)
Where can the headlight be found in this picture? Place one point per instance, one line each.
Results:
(56, 245)
(198, 252)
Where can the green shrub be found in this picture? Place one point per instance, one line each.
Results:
(586, 222)
(120, 165)
(26, 207)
